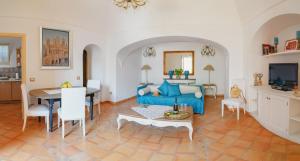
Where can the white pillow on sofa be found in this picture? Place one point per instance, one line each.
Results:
(153, 88)
(186, 89)
(144, 91)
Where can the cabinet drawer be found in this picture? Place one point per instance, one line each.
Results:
(16, 93)
(5, 91)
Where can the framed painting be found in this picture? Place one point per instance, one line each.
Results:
(292, 44)
(55, 49)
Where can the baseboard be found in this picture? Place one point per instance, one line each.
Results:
(10, 102)
(212, 96)
(119, 102)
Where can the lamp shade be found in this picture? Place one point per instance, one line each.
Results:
(146, 67)
(209, 67)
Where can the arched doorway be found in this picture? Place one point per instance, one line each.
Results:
(93, 63)
(130, 60)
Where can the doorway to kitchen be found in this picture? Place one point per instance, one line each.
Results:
(12, 66)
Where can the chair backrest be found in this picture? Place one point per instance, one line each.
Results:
(73, 103)
(94, 84)
(97, 85)
(241, 83)
(25, 99)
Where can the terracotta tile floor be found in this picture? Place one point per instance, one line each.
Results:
(214, 139)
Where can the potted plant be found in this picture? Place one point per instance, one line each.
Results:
(178, 72)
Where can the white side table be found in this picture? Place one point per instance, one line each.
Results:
(213, 87)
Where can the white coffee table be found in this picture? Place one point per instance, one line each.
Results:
(131, 115)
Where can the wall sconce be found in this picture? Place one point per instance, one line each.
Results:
(208, 51)
(149, 52)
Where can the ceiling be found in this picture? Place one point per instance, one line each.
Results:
(249, 9)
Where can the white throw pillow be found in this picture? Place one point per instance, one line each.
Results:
(186, 89)
(144, 91)
(153, 88)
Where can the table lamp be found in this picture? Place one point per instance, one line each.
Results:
(146, 67)
(209, 68)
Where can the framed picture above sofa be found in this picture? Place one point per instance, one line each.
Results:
(55, 48)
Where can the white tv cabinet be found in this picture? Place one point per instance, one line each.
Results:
(279, 112)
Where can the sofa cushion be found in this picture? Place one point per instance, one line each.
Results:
(189, 99)
(164, 88)
(144, 91)
(173, 90)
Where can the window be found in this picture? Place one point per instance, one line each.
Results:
(4, 54)
(187, 63)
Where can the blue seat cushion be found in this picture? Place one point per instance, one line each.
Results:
(173, 90)
(164, 88)
(188, 99)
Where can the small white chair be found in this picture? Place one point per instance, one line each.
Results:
(33, 110)
(237, 103)
(72, 107)
(97, 97)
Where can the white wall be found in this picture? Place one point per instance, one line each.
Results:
(214, 20)
(129, 75)
(218, 61)
(14, 44)
(49, 78)
(168, 18)
(249, 10)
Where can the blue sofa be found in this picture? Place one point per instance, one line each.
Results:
(189, 99)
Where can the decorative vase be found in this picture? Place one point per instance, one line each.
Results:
(186, 74)
(171, 73)
(276, 42)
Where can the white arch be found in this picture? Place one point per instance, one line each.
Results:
(126, 52)
(97, 65)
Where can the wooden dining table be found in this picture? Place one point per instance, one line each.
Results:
(41, 94)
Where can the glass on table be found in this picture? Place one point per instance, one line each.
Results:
(183, 107)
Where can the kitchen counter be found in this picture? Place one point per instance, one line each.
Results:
(10, 80)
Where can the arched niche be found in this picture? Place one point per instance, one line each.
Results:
(278, 26)
(129, 62)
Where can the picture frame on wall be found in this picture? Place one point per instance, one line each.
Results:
(266, 49)
(292, 45)
(55, 48)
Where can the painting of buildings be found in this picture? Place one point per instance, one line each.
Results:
(55, 48)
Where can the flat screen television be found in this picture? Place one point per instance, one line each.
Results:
(283, 75)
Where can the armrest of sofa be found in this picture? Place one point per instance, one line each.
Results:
(202, 90)
(140, 87)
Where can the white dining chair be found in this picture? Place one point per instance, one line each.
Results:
(72, 107)
(33, 110)
(236, 103)
(96, 84)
